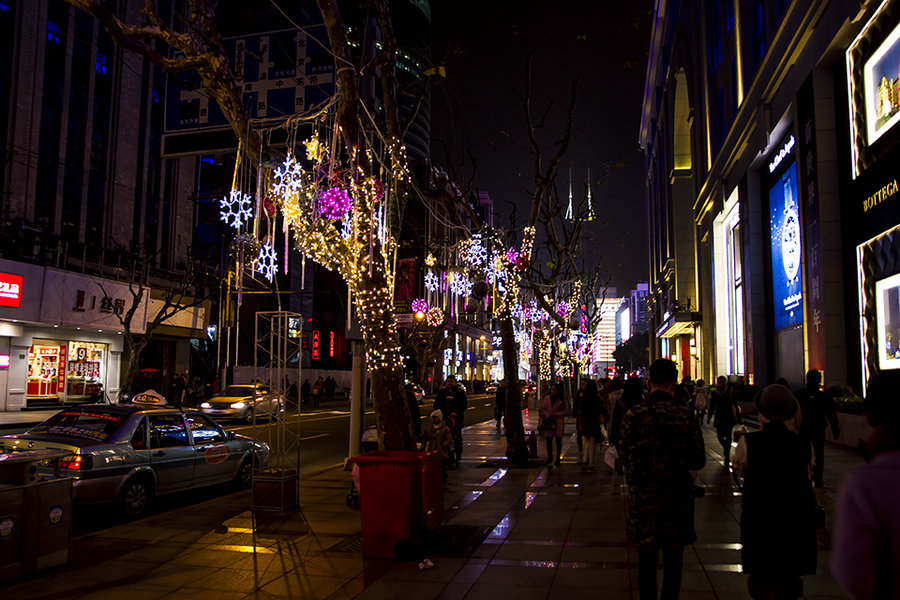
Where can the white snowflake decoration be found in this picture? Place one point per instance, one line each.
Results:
(236, 209)
(516, 311)
(476, 253)
(288, 178)
(431, 281)
(267, 262)
(460, 284)
(536, 313)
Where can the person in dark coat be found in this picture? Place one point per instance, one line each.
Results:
(305, 393)
(592, 416)
(778, 528)
(500, 403)
(724, 414)
(660, 445)
(414, 414)
(452, 402)
(816, 413)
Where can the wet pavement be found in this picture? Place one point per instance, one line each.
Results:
(509, 532)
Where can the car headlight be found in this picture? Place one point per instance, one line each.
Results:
(205, 405)
(238, 405)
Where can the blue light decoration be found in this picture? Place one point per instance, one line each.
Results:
(787, 250)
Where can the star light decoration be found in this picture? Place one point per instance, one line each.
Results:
(266, 262)
(419, 305)
(236, 209)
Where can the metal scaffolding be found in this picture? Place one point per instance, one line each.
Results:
(277, 359)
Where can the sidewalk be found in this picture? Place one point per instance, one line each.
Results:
(523, 533)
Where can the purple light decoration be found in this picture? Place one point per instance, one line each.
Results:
(334, 203)
(419, 305)
(512, 256)
(562, 309)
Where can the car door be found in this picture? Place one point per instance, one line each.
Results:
(213, 459)
(171, 452)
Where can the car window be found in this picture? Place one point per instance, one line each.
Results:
(167, 431)
(203, 430)
(87, 425)
(139, 439)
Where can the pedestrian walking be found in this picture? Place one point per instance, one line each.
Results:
(778, 506)
(414, 414)
(724, 414)
(700, 401)
(500, 403)
(816, 413)
(593, 415)
(330, 384)
(553, 424)
(438, 439)
(318, 390)
(865, 557)
(305, 393)
(577, 413)
(451, 400)
(660, 444)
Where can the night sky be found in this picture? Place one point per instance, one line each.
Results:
(476, 109)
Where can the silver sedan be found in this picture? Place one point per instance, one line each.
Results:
(127, 453)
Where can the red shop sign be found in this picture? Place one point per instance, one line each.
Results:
(10, 290)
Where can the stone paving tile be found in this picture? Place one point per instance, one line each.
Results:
(529, 551)
(493, 591)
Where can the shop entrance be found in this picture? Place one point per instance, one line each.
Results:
(65, 372)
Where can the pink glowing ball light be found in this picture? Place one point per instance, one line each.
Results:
(334, 203)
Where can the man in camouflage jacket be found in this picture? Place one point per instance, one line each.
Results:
(660, 445)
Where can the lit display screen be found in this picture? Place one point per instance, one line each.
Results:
(887, 310)
(784, 226)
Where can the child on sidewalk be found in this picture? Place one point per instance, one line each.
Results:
(438, 438)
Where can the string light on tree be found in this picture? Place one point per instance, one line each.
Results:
(236, 209)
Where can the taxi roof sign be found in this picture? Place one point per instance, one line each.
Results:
(150, 398)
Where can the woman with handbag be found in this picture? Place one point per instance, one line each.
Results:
(553, 412)
(778, 507)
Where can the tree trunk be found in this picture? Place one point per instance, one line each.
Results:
(516, 449)
(374, 305)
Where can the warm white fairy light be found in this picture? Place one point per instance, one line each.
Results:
(236, 209)
(430, 260)
(434, 316)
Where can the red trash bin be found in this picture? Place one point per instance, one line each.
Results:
(400, 492)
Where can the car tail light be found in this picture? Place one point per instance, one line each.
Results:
(78, 462)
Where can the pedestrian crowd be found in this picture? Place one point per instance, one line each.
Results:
(651, 432)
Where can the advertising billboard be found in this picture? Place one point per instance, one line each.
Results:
(881, 75)
(784, 228)
(887, 322)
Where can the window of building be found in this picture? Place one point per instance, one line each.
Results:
(52, 32)
(728, 289)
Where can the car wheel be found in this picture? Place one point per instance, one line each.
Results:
(136, 497)
(248, 416)
(244, 476)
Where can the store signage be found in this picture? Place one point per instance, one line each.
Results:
(4, 361)
(781, 154)
(315, 345)
(10, 290)
(784, 227)
(880, 195)
(331, 344)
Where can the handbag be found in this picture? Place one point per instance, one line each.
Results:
(611, 457)
(546, 424)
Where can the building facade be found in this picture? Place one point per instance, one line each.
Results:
(768, 134)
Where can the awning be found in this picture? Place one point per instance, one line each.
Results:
(679, 323)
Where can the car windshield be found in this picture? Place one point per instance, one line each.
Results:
(87, 425)
(238, 390)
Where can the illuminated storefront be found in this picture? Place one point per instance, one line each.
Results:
(872, 197)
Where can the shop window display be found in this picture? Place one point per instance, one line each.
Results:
(46, 368)
(84, 371)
